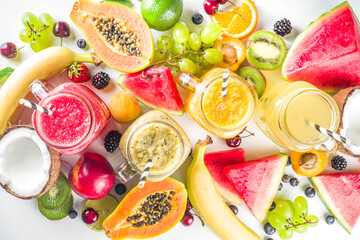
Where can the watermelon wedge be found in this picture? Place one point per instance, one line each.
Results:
(155, 88)
(257, 181)
(215, 161)
(327, 53)
(341, 195)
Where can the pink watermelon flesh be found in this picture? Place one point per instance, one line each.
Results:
(327, 53)
(155, 88)
(215, 162)
(341, 195)
(257, 181)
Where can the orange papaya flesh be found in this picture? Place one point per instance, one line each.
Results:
(129, 48)
(135, 216)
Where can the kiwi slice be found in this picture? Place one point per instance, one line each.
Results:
(254, 77)
(59, 213)
(266, 50)
(57, 195)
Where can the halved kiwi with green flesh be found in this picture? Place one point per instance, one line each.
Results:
(57, 195)
(59, 213)
(266, 50)
(254, 77)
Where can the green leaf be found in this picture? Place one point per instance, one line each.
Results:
(125, 2)
(5, 74)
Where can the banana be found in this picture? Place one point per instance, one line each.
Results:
(208, 203)
(42, 66)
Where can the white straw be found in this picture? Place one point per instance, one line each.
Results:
(225, 82)
(35, 106)
(145, 173)
(327, 132)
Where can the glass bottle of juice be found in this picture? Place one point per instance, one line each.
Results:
(283, 111)
(225, 116)
(78, 116)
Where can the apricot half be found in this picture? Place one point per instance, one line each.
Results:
(309, 164)
(233, 50)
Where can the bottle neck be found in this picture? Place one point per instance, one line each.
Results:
(39, 90)
(187, 81)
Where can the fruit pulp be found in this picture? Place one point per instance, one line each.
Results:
(282, 115)
(78, 117)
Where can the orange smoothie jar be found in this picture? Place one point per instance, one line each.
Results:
(224, 117)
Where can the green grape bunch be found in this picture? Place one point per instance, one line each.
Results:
(38, 30)
(288, 217)
(188, 51)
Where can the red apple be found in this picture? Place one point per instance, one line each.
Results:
(92, 176)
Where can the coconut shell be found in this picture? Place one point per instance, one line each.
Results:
(341, 98)
(54, 170)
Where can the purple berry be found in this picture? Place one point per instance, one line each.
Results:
(120, 189)
(81, 43)
(8, 50)
(234, 142)
(234, 209)
(61, 29)
(187, 219)
(89, 215)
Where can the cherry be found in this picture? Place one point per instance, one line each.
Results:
(221, 1)
(8, 50)
(188, 206)
(244, 129)
(61, 29)
(211, 6)
(234, 142)
(187, 219)
(89, 215)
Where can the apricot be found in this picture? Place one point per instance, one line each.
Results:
(233, 50)
(124, 107)
(309, 164)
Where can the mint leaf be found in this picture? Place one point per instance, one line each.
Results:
(5, 74)
(125, 2)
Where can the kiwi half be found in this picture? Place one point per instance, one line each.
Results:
(57, 195)
(59, 213)
(254, 77)
(266, 50)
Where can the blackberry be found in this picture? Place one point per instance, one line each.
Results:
(197, 18)
(282, 27)
(101, 80)
(81, 43)
(112, 140)
(338, 163)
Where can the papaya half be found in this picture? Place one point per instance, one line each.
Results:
(149, 211)
(116, 33)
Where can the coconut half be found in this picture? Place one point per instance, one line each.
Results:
(348, 101)
(28, 167)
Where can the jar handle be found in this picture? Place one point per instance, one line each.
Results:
(39, 90)
(187, 81)
(125, 173)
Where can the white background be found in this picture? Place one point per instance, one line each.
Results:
(20, 219)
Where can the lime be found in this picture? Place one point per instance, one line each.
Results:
(104, 206)
(161, 14)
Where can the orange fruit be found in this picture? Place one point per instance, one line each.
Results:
(237, 22)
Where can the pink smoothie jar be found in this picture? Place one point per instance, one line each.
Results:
(78, 116)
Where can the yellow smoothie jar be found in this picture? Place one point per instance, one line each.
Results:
(226, 116)
(283, 111)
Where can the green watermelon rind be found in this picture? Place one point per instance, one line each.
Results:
(328, 202)
(302, 35)
(177, 113)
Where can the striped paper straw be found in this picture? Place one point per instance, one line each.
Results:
(35, 106)
(329, 133)
(225, 82)
(145, 173)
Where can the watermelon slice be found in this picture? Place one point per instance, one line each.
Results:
(327, 53)
(257, 181)
(341, 195)
(155, 88)
(215, 162)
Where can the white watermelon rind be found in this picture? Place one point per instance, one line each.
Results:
(325, 198)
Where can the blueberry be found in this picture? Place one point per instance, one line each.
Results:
(269, 230)
(288, 162)
(120, 189)
(73, 214)
(81, 43)
(234, 209)
(330, 219)
(197, 18)
(286, 178)
(310, 192)
(294, 182)
(280, 187)
(269, 239)
(273, 206)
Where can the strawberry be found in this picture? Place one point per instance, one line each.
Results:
(78, 72)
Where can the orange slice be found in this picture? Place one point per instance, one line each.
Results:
(237, 22)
